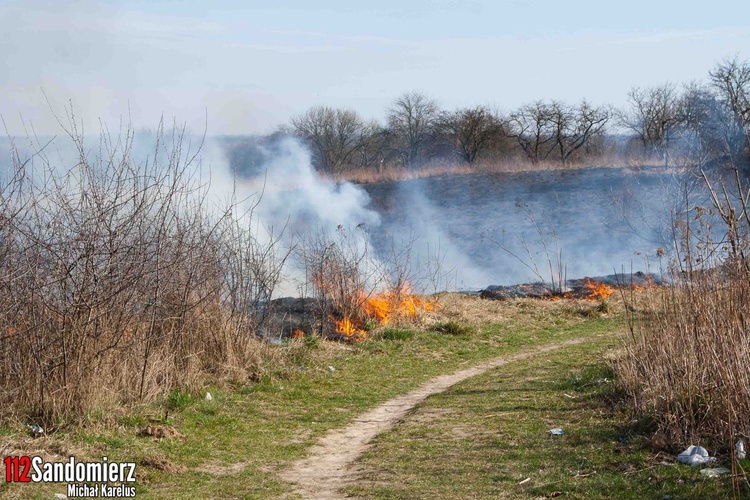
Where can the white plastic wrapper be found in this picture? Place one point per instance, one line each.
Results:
(695, 455)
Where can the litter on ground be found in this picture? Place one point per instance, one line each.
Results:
(695, 455)
(715, 472)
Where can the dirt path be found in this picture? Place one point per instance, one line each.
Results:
(328, 468)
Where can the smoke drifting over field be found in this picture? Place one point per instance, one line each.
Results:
(294, 196)
(467, 232)
(461, 232)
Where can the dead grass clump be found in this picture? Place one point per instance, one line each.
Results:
(470, 309)
(161, 463)
(121, 281)
(159, 432)
(686, 361)
(453, 328)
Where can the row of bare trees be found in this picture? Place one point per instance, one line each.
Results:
(700, 120)
(705, 120)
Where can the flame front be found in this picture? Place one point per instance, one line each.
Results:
(597, 290)
(346, 327)
(382, 308)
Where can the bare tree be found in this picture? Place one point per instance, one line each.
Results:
(334, 135)
(411, 118)
(471, 131)
(531, 126)
(374, 150)
(653, 116)
(575, 127)
(702, 121)
(731, 81)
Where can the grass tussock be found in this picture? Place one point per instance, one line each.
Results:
(686, 360)
(453, 328)
(122, 281)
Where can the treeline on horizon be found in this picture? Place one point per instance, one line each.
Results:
(693, 123)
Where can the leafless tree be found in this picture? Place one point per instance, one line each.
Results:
(531, 126)
(471, 131)
(575, 126)
(375, 147)
(731, 81)
(334, 135)
(411, 118)
(653, 116)
(702, 121)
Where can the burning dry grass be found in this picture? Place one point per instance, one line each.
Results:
(356, 292)
(382, 309)
(597, 291)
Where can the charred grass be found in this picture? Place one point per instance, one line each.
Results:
(235, 444)
(488, 437)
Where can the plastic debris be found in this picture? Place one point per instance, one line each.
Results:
(715, 472)
(557, 432)
(331, 369)
(739, 450)
(695, 455)
(61, 495)
(525, 481)
(36, 431)
(208, 397)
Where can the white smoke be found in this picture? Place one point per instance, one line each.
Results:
(294, 196)
(291, 204)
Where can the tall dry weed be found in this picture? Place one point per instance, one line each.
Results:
(120, 280)
(688, 353)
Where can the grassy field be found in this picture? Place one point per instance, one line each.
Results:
(484, 436)
(489, 437)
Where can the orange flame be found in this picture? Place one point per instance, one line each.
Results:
(382, 307)
(349, 330)
(597, 290)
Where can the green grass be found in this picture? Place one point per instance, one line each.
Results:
(234, 445)
(485, 436)
(452, 328)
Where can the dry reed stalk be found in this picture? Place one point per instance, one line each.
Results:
(687, 357)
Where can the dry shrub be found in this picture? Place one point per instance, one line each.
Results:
(686, 360)
(120, 281)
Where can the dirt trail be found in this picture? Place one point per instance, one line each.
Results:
(328, 468)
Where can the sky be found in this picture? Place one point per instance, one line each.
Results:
(233, 67)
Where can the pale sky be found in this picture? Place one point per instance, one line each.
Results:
(247, 67)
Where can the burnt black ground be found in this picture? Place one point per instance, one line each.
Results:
(491, 229)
